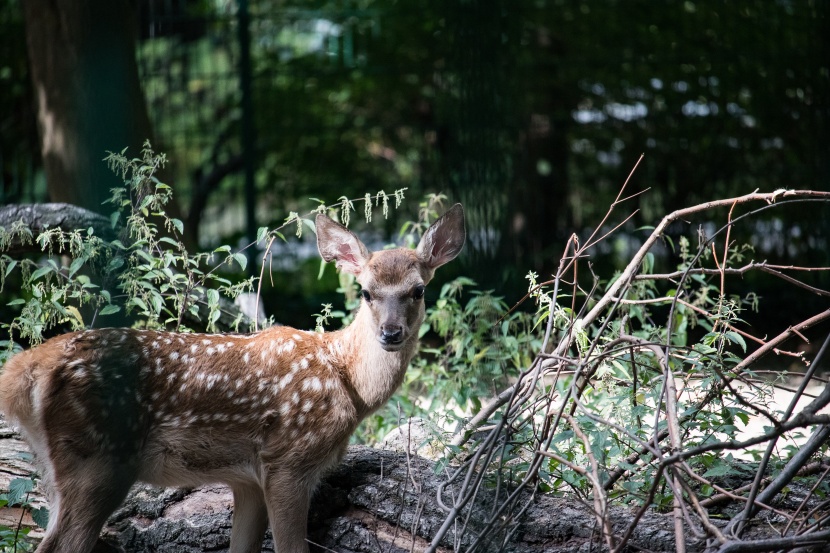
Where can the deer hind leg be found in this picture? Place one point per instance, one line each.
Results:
(85, 491)
(249, 518)
(288, 494)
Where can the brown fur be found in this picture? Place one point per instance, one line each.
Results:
(265, 413)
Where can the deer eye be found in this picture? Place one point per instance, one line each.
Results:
(366, 295)
(418, 293)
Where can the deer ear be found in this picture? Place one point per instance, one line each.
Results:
(337, 243)
(443, 241)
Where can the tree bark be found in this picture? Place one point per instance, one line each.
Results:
(89, 99)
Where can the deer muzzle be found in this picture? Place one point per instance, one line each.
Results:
(391, 337)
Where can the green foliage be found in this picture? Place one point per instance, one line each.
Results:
(14, 539)
(147, 272)
(164, 283)
(52, 294)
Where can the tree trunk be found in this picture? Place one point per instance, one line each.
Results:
(89, 100)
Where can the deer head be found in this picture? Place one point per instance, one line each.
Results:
(393, 281)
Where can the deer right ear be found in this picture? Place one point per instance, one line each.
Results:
(443, 241)
(337, 243)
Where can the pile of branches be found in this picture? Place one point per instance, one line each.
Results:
(618, 409)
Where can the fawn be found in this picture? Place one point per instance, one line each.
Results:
(265, 413)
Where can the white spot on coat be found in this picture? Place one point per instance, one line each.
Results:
(312, 384)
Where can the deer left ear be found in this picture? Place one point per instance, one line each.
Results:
(443, 241)
(337, 243)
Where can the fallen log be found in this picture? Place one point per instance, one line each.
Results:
(374, 501)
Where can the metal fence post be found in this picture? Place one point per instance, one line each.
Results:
(248, 131)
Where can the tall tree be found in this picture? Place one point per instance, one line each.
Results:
(89, 100)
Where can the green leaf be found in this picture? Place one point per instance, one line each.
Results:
(145, 202)
(721, 469)
(115, 264)
(648, 263)
(10, 267)
(39, 273)
(145, 256)
(110, 309)
(213, 317)
(41, 516)
(137, 302)
(168, 240)
(213, 297)
(18, 489)
(157, 301)
(736, 338)
(76, 265)
(241, 259)
(18, 301)
(176, 222)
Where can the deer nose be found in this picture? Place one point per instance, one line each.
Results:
(391, 334)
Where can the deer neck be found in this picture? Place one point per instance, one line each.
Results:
(373, 373)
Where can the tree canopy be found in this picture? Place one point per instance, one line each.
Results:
(531, 113)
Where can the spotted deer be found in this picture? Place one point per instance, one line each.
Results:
(265, 413)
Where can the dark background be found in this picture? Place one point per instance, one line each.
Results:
(531, 113)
